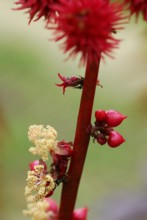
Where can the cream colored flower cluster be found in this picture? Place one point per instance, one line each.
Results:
(38, 210)
(44, 140)
(39, 184)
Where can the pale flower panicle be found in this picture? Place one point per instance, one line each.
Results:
(38, 211)
(39, 184)
(44, 139)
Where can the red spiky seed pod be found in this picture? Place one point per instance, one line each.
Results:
(37, 8)
(85, 27)
(137, 7)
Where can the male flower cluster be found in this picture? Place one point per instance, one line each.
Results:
(42, 210)
(42, 181)
(40, 184)
(103, 130)
(137, 7)
(48, 210)
(44, 140)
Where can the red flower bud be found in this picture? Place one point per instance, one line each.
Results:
(114, 118)
(101, 140)
(64, 148)
(80, 214)
(50, 193)
(115, 139)
(52, 205)
(37, 162)
(100, 115)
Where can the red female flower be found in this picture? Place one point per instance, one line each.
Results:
(87, 27)
(38, 8)
(75, 82)
(137, 6)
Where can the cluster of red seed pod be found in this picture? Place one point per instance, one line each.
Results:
(103, 130)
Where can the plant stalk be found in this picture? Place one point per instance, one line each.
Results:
(81, 142)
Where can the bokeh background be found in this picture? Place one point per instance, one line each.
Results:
(113, 179)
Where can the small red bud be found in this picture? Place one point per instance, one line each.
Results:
(80, 214)
(64, 148)
(52, 205)
(33, 164)
(50, 193)
(115, 139)
(37, 162)
(114, 118)
(101, 140)
(100, 115)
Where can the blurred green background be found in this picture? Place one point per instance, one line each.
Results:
(29, 64)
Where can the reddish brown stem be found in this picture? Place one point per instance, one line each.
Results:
(81, 142)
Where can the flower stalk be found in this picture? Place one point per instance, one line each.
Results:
(81, 142)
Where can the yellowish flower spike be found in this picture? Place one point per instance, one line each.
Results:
(38, 210)
(39, 184)
(44, 140)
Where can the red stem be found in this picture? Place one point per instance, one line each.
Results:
(81, 142)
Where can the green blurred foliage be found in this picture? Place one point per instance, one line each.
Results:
(29, 64)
